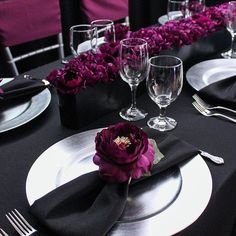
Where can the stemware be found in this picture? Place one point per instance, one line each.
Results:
(133, 70)
(105, 30)
(164, 84)
(176, 9)
(195, 6)
(83, 38)
(230, 22)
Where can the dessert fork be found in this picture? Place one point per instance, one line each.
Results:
(207, 112)
(20, 224)
(208, 106)
(3, 233)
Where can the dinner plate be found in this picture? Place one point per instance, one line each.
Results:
(163, 19)
(186, 191)
(19, 113)
(208, 72)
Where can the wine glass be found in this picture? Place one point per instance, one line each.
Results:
(105, 30)
(83, 38)
(133, 70)
(164, 84)
(176, 9)
(195, 6)
(230, 22)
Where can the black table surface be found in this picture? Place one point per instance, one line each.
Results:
(20, 147)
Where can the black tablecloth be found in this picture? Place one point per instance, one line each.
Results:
(20, 148)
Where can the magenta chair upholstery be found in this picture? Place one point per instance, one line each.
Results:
(104, 9)
(23, 21)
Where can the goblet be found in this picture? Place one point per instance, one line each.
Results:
(176, 9)
(230, 22)
(105, 30)
(133, 70)
(164, 84)
(82, 39)
(195, 6)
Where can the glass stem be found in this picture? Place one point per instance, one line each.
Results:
(162, 113)
(233, 44)
(133, 96)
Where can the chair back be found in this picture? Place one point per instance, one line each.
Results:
(23, 21)
(104, 9)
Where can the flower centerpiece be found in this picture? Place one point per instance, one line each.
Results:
(90, 69)
(124, 152)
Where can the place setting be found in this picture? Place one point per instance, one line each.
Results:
(150, 175)
(180, 9)
(21, 100)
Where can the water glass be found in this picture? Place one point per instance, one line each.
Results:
(133, 70)
(176, 9)
(164, 84)
(83, 38)
(105, 30)
(230, 22)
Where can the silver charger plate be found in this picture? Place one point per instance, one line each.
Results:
(210, 71)
(164, 205)
(18, 114)
(163, 19)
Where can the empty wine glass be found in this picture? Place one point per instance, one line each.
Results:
(83, 38)
(105, 30)
(133, 70)
(176, 9)
(230, 22)
(164, 84)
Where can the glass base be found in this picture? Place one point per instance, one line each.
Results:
(229, 54)
(132, 114)
(162, 124)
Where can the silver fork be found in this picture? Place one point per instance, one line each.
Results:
(20, 224)
(206, 112)
(3, 233)
(208, 106)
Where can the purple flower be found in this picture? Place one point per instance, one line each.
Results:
(122, 152)
(88, 69)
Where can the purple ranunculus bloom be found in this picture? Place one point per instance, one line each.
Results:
(123, 152)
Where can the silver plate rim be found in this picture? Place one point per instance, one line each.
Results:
(157, 225)
(196, 74)
(164, 18)
(37, 104)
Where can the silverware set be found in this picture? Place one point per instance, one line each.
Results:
(208, 110)
(20, 224)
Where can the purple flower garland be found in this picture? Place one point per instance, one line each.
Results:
(88, 68)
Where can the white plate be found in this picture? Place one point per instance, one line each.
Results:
(208, 72)
(20, 113)
(58, 165)
(163, 19)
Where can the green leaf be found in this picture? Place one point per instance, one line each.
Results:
(158, 154)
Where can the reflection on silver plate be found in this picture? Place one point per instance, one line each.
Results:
(208, 72)
(163, 19)
(162, 205)
(18, 114)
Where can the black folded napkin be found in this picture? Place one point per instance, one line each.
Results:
(21, 88)
(222, 93)
(90, 206)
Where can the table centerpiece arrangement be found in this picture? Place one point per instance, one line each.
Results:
(100, 71)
